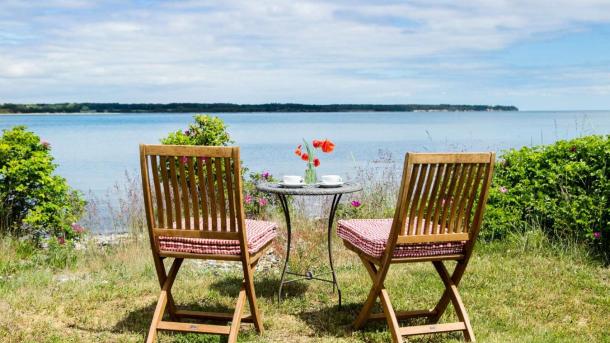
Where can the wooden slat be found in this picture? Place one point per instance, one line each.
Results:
(457, 195)
(401, 315)
(467, 194)
(422, 224)
(457, 171)
(211, 193)
(440, 173)
(196, 234)
(415, 203)
(175, 192)
(200, 256)
(158, 194)
(215, 316)
(448, 237)
(237, 184)
(230, 192)
(166, 191)
(220, 198)
(185, 192)
(195, 151)
(431, 328)
(465, 157)
(452, 257)
(442, 194)
(408, 203)
(203, 193)
(478, 182)
(194, 194)
(192, 327)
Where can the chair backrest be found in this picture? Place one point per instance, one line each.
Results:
(442, 197)
(192, 191)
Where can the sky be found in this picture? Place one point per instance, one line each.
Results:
(537, 55)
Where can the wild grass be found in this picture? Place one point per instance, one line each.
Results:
(521, 290)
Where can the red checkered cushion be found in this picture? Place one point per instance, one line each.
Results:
(258, 233)
(371, 236)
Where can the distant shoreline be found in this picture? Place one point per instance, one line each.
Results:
(76, 108)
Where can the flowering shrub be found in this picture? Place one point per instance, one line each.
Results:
(212, 131)
(564, 188)
(33, 200)
(257, 204)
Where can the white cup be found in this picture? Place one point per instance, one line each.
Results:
(331, 179)
(292, 179)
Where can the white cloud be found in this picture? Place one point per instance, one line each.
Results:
(262, 51)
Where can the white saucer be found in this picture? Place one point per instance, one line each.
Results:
(330, 185)
(291, 185)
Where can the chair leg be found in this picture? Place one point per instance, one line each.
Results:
(239, 309)
(251, 294)
(162, 276)
(454, 295)
(388, 309)
(163, 300)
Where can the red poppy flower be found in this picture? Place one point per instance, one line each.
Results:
(305, 157)
(316, 162)
(317, 143)
(328, 146)
(298, 151)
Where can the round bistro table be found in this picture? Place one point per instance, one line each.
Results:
(309, 190)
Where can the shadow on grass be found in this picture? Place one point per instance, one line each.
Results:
(265, 287)
(337, 322)
(331, 321)
(138, 320)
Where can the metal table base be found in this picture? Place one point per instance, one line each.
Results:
(309, 275)
(309, 190)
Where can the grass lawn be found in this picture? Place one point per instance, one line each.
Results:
(520, 290)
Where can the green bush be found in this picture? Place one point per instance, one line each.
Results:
(563, 188)
(206, 130)
(33, 200)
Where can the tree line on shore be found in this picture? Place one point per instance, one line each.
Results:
(228, 107)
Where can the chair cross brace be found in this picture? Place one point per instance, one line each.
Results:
(392, 317)
(165, 304)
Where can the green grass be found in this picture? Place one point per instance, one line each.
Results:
(519, 290)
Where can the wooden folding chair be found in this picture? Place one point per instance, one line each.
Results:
(438, 215)
(194, 209)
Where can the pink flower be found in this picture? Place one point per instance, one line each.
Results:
(61, 240)
(77, 228)
(503, 189)
(187, 132)
(184, 160)
(262, 201)
(356, 203)
(265, 175)
(45, 144)
(248, 199)
(597, 235)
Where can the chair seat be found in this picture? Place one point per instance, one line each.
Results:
(371, 237)
(258, 233)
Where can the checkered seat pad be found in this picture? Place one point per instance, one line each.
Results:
(371, 237)
(258, 233)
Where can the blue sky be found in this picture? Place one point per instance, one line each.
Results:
(525, 53)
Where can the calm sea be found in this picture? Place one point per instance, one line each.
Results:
(94, 150)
